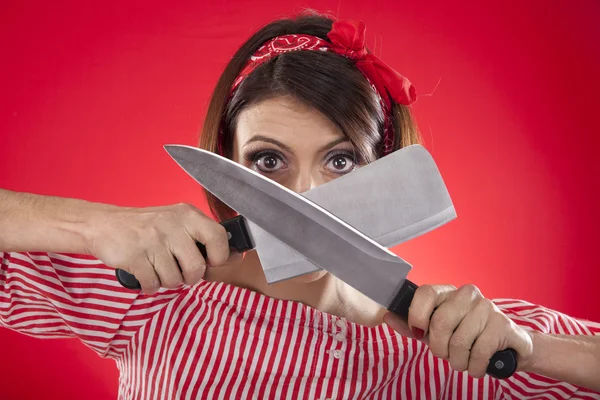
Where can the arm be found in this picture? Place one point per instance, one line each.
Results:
(32, 222)
(46, 293)
(156, 244)
(573, 359)
(565, 349)
(466, 329)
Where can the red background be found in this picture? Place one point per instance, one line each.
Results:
(508, 108)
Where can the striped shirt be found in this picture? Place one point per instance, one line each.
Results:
(217, 341)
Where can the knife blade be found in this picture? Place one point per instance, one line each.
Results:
(411, 200)
(314, 232)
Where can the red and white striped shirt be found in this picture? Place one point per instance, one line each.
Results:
(217, 341)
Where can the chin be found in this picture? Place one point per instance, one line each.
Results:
(310, 277)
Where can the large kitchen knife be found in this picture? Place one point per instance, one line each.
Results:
(411, 199)
(315, 233)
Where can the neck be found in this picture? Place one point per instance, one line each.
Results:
(320, 290)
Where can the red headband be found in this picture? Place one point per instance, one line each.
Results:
(347, 39)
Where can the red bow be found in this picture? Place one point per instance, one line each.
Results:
(348, 39)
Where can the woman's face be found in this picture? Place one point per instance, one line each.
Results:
(294, 145)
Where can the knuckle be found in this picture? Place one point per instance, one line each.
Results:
(182, 211)
(481, 352)
(424, 295)
(459, 343)
(211, 235)
(471, 290)
(195, 275)
(157, 217)
(485, 305)
(220, 233)
(502, 325)
(217, 235)
(184, 208)
(188, 211)
(426, 291)
(190, 259)
(440, 322)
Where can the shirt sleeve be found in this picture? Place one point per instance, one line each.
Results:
(48, 295)
(534, 317)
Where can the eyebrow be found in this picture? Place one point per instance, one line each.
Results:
(262, 138)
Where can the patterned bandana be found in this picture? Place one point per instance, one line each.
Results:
(347, 39)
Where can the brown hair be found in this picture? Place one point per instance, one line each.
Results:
(324, 81)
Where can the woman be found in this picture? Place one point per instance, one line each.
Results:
(301, 102)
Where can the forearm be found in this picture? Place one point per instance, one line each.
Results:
(572, 359)
(30, 222)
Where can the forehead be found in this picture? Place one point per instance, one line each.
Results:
(286, 120)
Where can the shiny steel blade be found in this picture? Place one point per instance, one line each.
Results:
(309, 229)
(411, 199)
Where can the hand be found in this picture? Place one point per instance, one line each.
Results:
(462, 327)
(158, 244)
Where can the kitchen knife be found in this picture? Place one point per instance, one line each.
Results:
(411, 199)
(315, 233)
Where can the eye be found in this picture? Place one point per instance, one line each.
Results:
(267, 161)
(341, 162)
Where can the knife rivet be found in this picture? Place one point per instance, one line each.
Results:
(499, 364)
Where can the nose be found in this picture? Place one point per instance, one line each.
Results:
(305, 180)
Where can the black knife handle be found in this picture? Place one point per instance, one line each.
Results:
(502, 364)
(239, 240)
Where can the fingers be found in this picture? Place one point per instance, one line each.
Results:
(166, 268)
(197, 227)
(463, 327)
(158, 244)
(191, 262)
(210, 233)
(447, 318)
(500, 333)
(460, 344)
(484, 347)
(426, 299)
(146, 276)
